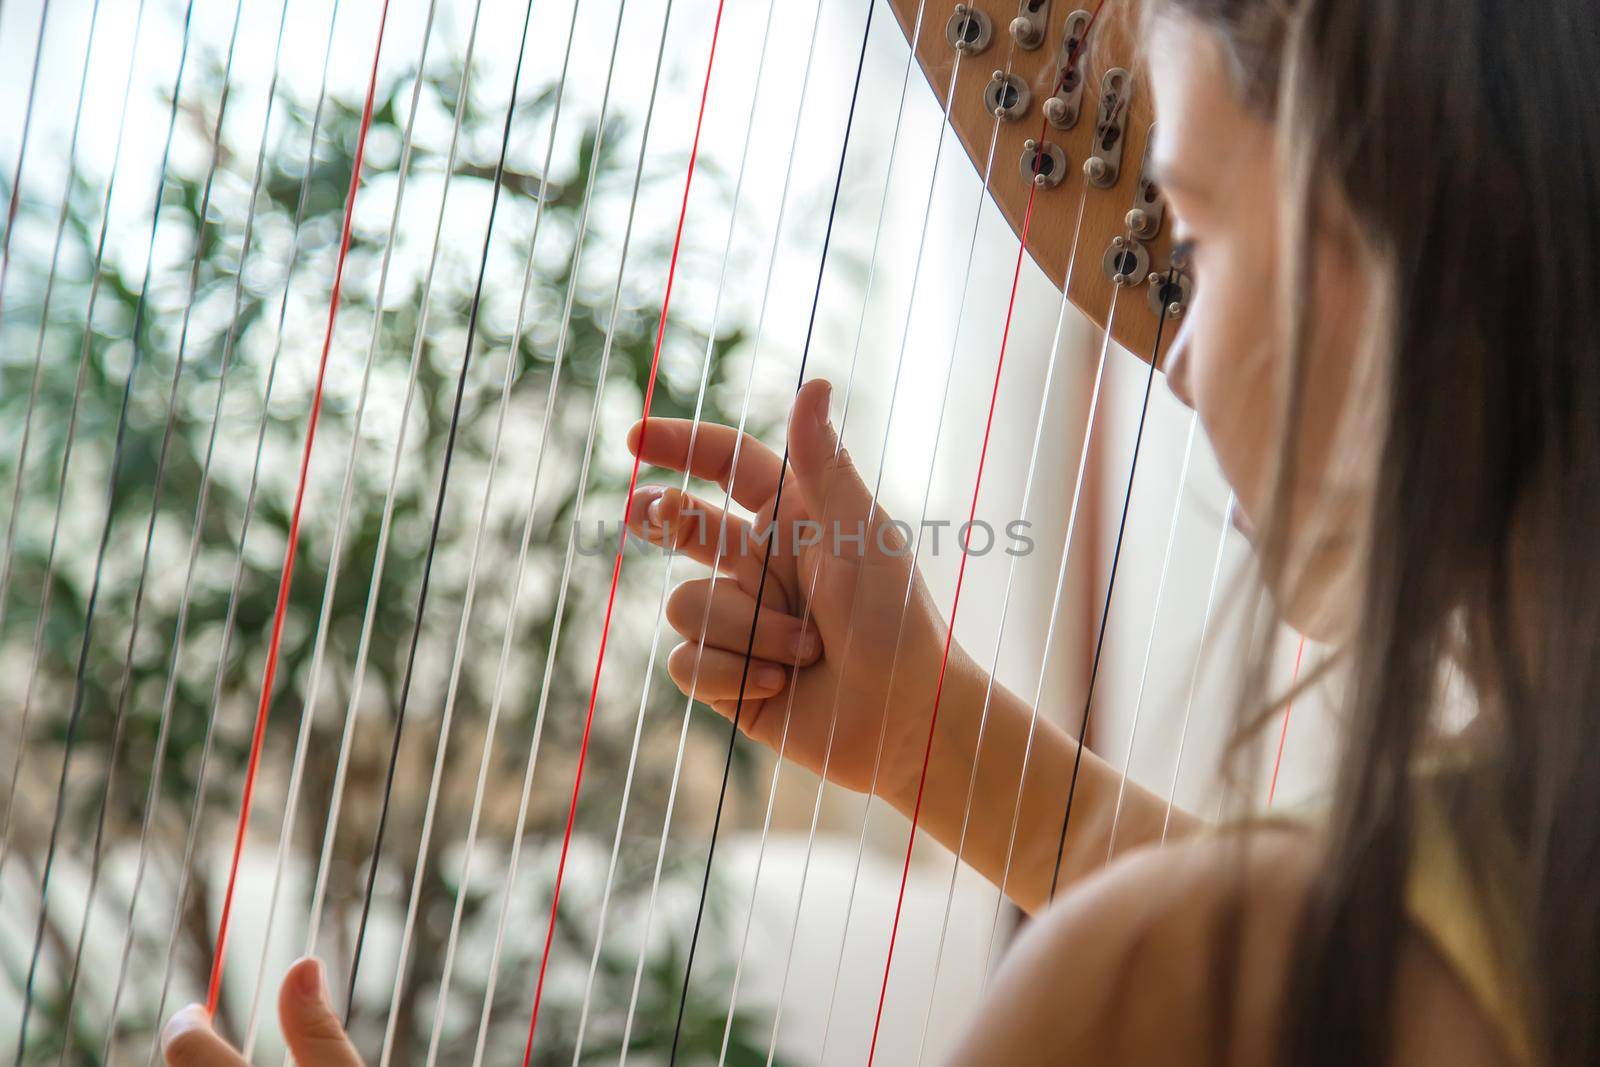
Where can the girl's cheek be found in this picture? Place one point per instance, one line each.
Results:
(1231, 377)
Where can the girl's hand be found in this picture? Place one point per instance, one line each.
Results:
(315, 1036)
(865, 600)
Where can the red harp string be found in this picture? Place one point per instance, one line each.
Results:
(286, 575)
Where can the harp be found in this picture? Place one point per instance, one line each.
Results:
(224, 751)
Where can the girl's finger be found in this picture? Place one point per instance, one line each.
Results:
(315, 1036)
(738, 463)
(712, 675)
(189, 1041)
(706, 534)
(778, 637)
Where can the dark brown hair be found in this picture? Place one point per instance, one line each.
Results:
(1463, 139)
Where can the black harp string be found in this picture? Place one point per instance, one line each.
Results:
(7, 553)
(202, 497)
(70, 439)
(915, 28)
(438, 518)
(114, 482)
(1177, 257)
(15, 199)
(766, 561)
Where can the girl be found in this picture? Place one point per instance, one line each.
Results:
(1414, 442)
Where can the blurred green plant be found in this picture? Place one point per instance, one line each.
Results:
(128, 768)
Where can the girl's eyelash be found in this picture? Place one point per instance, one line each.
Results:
(1183, 253)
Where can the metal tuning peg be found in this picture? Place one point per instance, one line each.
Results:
(1149, 210)
(1169, 296)
(1104, 165)
(1063, 107)
(1006, 96)
(1126, 262)
(1044, 164)
(1031, 24)
(969, 30)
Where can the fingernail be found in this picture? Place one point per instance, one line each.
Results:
(655, 512)
(309, 982)
(822, 405)
(189, 1019)
(805, 645)
(769, 678)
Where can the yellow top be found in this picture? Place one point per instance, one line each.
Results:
(1443, 903)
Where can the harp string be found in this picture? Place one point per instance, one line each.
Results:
(451, 436)
(955, 604)
(766, 562)
(1288, 709)
(202, 496)
(37, 652)
(15, 200)
(1072, 58)
(336, 551)
(381, 549)
(465, 873)
(219, 955)
(7, 555)
(152, 800)
(1005, 606)
(1150, 641)
(916, 551)
(113, 481)
(527, 530)
(911, 843)
(734, 466)
(633, 478)
(844, 418)
(1054, 616)
(1199, 658)
(667, 571)
(1111, 583)
(872, 510)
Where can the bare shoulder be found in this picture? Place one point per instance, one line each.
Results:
(1131, 967)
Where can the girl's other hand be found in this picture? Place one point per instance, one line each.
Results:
(314, 1034)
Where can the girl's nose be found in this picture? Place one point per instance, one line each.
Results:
(1177, 368)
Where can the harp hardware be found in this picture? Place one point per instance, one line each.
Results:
(1006, 96)
(1104, 165)
(1044, 164)
(1031, 24)
(969, 30)
(1126, 261)
(1064, 106)
(1169, 296)
(1149, 208)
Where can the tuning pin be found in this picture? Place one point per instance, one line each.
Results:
(1026, 32)
(1095, 169)
(1138, 222)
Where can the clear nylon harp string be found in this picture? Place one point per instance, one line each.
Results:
(113, 484)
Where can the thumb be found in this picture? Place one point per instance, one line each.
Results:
(315, 1036)
(828, 480)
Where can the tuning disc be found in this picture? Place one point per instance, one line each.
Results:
(1007, 96)
(969, 30)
